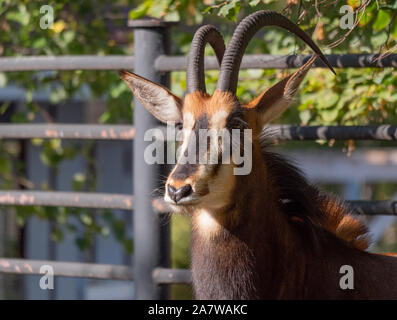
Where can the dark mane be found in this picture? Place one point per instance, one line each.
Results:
(305, 203)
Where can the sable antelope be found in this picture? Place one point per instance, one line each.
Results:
(269, 234)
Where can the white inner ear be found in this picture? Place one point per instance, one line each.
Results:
(159, 102)
(156, 99)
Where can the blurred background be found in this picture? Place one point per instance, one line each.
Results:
(354, 170)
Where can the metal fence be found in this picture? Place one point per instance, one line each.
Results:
(151, 237)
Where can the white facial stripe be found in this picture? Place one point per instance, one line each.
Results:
(188, 123)
(186, 137)
(188, 120)
(218, 120)
(215, 136)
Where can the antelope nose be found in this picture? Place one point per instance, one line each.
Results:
(178, 194)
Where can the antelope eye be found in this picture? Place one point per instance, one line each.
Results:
(179, 127)
(237, 124)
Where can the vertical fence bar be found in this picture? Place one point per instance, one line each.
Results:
(151, 237)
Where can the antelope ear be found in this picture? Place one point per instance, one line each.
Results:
(158, 100)
(275, 100)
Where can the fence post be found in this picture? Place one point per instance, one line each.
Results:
(151, 237)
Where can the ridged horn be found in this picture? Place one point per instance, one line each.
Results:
(244, 32)
(195, 80)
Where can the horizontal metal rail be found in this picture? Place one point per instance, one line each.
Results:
(77, 62)
(267, 61)
(178, 63)
(374, 207)
(96, 271)
(288, 132)
(127, 132)
(125, 202)
(67, 131)
(171, 276)
(89, 270)
(66, 199)
(67, 269)
(385, 207)
(160, 206)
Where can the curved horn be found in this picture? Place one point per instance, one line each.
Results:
(195, 80)
(247, 28)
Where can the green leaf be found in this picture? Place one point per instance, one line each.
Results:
(393, 98)
(105, 117)
(5, 166)
(4, 107)
(57, 235)
(21, 16)
(86, 219)
(394, 29)
(141, 10)
(105, 231)
(329, 115)
(328, 100)
(118, 89)
(382, 20)
(254, 3)
(305, 116)
(390, 6)
(208, 10)
(57, 95)
(3, 79)
(128, 245)
(19, 117)
(79, 181)
(68, 36)
(379, 39)
(39, 43)
(230, 10)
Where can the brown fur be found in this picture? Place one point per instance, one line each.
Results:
(269, 234)
(198, 103)
(312, 206)
(279, 237)
(266, 250)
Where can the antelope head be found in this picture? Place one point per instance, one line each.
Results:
(208, 184)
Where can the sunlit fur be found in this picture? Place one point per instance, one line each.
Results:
(213, 190)
(269, 234)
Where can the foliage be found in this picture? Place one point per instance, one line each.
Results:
(354, 96)
(81, 27)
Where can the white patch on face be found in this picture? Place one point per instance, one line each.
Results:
(184, 147)
(218, 120)
(188, 123)
(167, 198)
